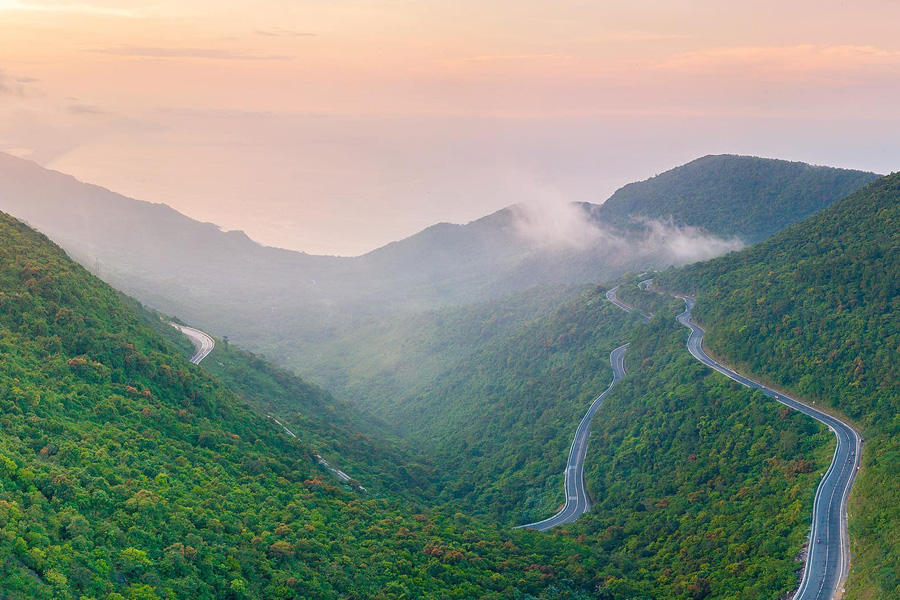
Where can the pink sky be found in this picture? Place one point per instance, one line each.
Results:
(337, 126)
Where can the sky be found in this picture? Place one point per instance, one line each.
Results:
(336, 126)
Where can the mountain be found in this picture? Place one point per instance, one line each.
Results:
(816, 310)
(702, 488)
(128, 473)
(177, 264)
(743, 196)
(298, 308)
(690, 473)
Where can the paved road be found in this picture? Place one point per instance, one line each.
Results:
(829, 550)
(611, 296)
(577, 500)
(337, 472)
(828, 560)
(203, 342)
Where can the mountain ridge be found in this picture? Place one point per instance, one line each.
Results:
(286, 303)
(816, 310)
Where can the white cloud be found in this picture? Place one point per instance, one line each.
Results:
(65, 7)
(555, 225)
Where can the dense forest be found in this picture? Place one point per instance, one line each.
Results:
(702, 488)
(743, 196)
(126, 472)
(816, 310)
(357, 443)
(129, 473)
(500, 424)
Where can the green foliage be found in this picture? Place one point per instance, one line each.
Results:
(741, 196)
(702, 488)
(649, 304)
(127, 473)
(500, 424)
(355, 442)
(816, 310)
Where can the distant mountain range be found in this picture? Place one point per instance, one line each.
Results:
(128, 472)
(233, 285)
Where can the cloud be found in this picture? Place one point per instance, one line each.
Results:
(279, 32)
(645, 36)
(65, 7)
(80, 107)
(13, 84)
(201, 53)
(782, 62)
(504, 58)
(683, 244)
(555, 226)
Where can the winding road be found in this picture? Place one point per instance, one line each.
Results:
(611, 296)
(203, 342)
(828, 559)
(577, 500)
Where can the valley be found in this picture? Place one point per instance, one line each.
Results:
(448, 300)
(449, 428)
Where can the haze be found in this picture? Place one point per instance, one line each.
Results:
(336, 127)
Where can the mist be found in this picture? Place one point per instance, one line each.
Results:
(554, 225)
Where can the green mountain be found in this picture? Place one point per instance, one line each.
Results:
(499, 423)
(816, 310)
(126, 472)
(282, 303)
(701, 487)
(743, 196)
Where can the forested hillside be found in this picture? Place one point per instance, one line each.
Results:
(742, 196)
(816, 310)
(500, 423)
(702, 488)
(357, 443)
(299, 308)
(129, 473)
(380, 361)
(126, 472)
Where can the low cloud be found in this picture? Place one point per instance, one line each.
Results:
(569, 227)
(201, 53)
(683, 244)
(556, 225)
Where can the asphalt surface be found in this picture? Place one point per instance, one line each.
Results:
(828, 559)
(577, 500)
(203, 342)
(611, 296)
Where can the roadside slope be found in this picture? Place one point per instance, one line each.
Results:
(700, 489)
(127, 472)
(816, 311)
